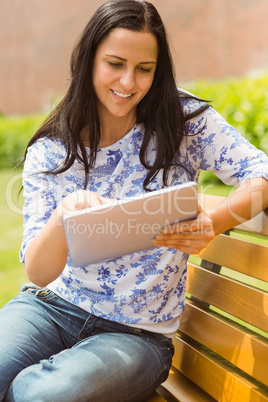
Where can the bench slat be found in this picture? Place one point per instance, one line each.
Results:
(219, 380)
(235, 344)
(229, 296)
(156, 398)
(240, 255)
(182, 389)
(214, 353)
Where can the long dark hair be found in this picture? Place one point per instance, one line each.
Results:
(160, 110)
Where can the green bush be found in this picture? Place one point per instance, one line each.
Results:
(15, 132)
(243, 102)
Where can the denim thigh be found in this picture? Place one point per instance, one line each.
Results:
(31, 330)
(53, 350)
(107, 367)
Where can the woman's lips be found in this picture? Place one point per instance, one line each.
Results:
(122, 95)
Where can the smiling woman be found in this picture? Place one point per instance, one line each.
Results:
(123, 72)
(123, 129)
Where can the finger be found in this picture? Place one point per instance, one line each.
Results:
(104, 200)
(180, 236)
(81, 199)
(92, 199)
(199, 208)
(175, 243)
(201, 223)
(186, 247)
(185, 226)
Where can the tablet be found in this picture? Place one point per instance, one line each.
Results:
(123, 227)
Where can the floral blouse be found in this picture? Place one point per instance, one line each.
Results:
(145, 289)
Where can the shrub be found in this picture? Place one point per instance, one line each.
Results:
(15, 132)
(242, 102)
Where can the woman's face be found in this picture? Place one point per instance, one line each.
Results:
(123, 72)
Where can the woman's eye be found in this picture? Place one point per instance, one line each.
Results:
(144, 69)
(115, 65)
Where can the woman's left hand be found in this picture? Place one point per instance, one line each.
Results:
(188, 236)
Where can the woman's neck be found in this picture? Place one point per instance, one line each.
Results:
(111, 131)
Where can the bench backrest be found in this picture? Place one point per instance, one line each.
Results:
(222, 344)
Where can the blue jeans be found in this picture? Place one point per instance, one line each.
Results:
(51, 350)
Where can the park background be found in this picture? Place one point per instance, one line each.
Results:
(220, 51)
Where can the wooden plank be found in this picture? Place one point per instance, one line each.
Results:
(182, 389)
(242, 256)
(258, 224)
(242, 348)
(156, 398)
(230, 296)
(219, 380)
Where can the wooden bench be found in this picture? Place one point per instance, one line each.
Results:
(221, 348)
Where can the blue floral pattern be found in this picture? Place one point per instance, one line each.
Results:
(146, 289)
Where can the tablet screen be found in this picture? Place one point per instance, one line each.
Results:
(124, 227)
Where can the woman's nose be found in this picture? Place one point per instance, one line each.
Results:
(127, 80)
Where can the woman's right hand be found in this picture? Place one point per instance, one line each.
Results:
(47, 254)
(81, 199)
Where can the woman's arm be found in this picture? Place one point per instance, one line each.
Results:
(47, 253)
(192, 236)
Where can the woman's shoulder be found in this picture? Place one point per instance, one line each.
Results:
(190, 102)
(49, 152)
(47, 144)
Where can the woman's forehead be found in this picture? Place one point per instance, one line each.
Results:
(126, 43)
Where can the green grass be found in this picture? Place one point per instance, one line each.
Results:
(12, 273)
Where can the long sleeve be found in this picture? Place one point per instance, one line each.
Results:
(40, 190)
(213, 144)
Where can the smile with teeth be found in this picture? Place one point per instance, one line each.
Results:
(122, 95)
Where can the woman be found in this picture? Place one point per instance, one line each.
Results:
(104, 332)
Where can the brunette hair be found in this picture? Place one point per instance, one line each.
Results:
(160, 110)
